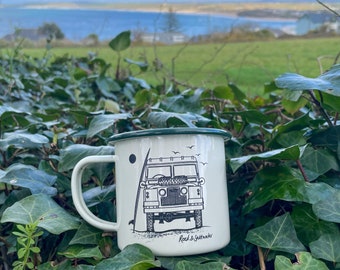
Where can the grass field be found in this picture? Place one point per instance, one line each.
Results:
(248, 64)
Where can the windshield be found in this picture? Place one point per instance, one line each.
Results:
(188, 170)
(158, 171)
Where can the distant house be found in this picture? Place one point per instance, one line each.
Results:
(315, 20)
(29, 34)
(165, 38)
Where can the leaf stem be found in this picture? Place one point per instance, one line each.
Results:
(302, 170)
(322, 110)
(261, 258)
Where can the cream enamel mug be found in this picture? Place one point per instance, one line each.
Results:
(171, 190)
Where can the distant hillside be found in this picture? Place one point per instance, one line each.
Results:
(22, 2)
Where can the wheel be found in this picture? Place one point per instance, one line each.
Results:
(198, 218)
(150, 222)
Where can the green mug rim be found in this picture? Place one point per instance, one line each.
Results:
(169, 131)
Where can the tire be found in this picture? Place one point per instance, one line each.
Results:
(150, 222)
(198, 218)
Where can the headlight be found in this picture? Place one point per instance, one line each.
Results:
(162, 192)
(184, 190)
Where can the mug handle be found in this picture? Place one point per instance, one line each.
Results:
(77, 194)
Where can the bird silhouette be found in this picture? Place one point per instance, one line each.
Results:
(204, 163)
(175, 152)
(190, 146)
(132, 221)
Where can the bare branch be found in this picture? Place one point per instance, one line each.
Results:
(329, 8)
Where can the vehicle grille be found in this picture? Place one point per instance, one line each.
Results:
(173, 197)
(177, 180)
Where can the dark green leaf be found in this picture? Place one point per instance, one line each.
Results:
(278, 234)
(329, 208)
(35, 180)
(327, 247)
(188, 101)
(142, 65)
(6, 111)
(121, 42)
(286, 139)
(238, 94)
(79, 252)
(252, 116)
(197, 260)
(291, 153)
(23, 140)
(42, 209)
(105, 121)
(299, 124)
(107, 86)
(329, 138)
(308, 226)
(86, 235)
(187, 265)
(142, 83)
(304, 262)
(164, 119)
(97, 195)
(330, 102)
(130, 256)
(70, 155)
(328, 81)
(286, 184)
(317, 162)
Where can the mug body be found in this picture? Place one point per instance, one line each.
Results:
(172, 190)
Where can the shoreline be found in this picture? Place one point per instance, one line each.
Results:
(153, 8)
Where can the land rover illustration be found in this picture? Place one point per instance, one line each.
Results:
(172, 189)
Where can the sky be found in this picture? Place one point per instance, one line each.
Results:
(8, 2)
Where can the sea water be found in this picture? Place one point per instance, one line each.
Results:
(77, 24)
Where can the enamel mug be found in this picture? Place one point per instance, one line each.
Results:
(171, 190)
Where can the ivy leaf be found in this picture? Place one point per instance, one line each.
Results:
(42, 209)
(79, 251)
(131, 257)
(107, 85)
(299, 124)
(121, 42)
(286, 184)
(70, 155)
(304, 262)
(35, 180)
(166, 119)
(188, 265)
(197, 260)
(308, 226)
(97, 195)
(290, 153)
(327, 247)
(294, 106)
(328, 82)
(23, 140)
(86, 235)
(317, 162)
(278, 234)
(329, 138)
(102, 122)
(142, 65)
(329, 208)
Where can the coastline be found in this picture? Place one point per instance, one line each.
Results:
(229, 10)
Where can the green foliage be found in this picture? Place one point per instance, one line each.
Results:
(27, 249)
(283, 163)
